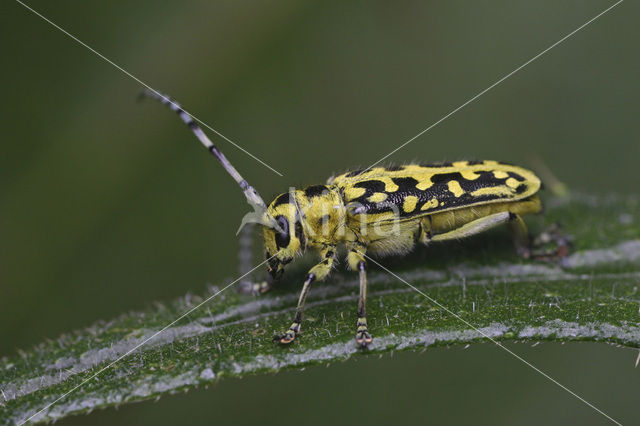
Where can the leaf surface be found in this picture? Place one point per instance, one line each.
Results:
(592, 296)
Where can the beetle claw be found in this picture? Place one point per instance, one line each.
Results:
(289, 335)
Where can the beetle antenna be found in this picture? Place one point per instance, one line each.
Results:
(252, 195)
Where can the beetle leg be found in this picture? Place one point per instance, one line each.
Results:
(357, 262)
(246, 262)
(423, 234)
(554, 236)
(535, 249)
(294, 328)
(474, 227)
(318, 272)
(521, 237)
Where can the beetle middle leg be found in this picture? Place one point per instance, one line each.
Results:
(318, 272)
(356, 261)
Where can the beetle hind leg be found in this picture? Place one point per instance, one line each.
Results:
(525, 246)
(552, 244)
(521, 236)
(475, 227)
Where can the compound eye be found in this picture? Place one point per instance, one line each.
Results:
(282, 238)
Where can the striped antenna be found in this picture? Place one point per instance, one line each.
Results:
(254, 199)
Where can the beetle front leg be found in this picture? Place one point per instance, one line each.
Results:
(294, 329)
(318, 272)
(357, 263)
(246, 262)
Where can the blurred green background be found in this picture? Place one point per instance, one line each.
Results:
(108, 205)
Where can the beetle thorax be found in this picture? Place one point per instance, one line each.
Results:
(322, 213)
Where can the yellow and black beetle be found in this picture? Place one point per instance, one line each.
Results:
(383, 211)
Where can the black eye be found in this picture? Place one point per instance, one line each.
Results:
(282, 238)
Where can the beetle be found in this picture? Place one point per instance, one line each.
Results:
(382, 211)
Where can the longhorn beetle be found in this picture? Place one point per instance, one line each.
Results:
(382, 211)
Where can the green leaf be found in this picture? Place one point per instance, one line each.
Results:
(592, 296)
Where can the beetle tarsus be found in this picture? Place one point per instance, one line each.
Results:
(289, 335)
(363, 337)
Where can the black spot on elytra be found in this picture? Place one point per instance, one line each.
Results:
(516, 176)
(521, 188)
(446, 177)
(371, 186)
(485, 180)
(405, 184)
(475, 162)
(315, 190)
